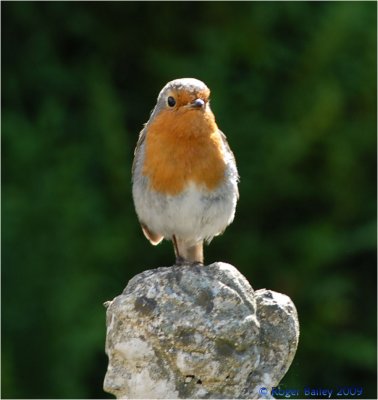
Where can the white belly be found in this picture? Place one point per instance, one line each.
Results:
(193, 216)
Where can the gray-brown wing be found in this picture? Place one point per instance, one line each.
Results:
(141, 138)
(228, 149)
(153, 237)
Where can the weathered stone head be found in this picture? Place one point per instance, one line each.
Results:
(197, 332)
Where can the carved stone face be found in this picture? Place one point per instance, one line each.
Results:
(131, 372)
(191, 332)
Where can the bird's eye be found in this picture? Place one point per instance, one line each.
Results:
(171, 101)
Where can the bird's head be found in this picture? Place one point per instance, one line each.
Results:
(183, 95)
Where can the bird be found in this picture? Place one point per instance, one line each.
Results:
(184, 174)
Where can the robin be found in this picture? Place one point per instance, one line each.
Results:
(184, 173)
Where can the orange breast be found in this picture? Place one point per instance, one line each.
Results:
(183, 146)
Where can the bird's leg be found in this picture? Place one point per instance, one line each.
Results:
(194, 254)
(187, 254)
(179, 260)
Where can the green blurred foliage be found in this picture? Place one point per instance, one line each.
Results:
(293, 87)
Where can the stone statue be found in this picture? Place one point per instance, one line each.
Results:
(193, 332)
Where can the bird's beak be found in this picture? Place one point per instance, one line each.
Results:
(197, 103)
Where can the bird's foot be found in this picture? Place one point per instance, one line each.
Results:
(196, 263)
(182, 261)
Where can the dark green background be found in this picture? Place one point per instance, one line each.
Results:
(294, 89)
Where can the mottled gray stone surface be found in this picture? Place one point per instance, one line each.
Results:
(197, 332)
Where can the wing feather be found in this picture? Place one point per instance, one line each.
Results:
(231, 154)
